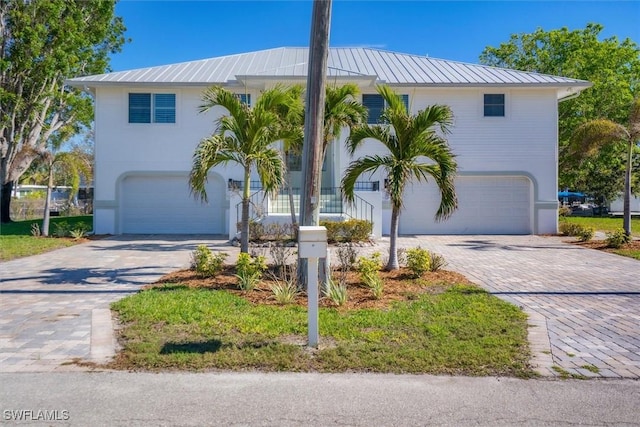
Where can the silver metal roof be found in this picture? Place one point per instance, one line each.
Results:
(290, 63)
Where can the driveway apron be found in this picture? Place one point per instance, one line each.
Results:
(54, 307)
(583, 304)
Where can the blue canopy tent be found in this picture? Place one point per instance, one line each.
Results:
(569, 194)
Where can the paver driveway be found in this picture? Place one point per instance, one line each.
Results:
(584, 304)
(54, 306)
(588, 300)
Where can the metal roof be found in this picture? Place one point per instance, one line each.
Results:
(290, 63)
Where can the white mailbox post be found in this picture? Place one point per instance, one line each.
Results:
(312, 244)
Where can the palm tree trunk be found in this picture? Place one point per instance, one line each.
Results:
(244, 229)
(626, 222)
(47, 205)
(393, 240)
(292, 205)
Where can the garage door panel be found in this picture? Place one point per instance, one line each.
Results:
(162, 204)
(486, 205)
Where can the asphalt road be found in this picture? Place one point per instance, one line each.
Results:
(232, 399)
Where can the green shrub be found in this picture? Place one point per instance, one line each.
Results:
(80, 230)
(337, 293)
(205, 263)
(249, 271)
(353, 230)
(377, 286)
(61, 229)
(616, 239)
(564, 211)
(586, 233)
(368, 267)
(436, 262)
(418, 261)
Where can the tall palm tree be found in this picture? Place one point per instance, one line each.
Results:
(591, 136)
(244, 136)
(408, 138)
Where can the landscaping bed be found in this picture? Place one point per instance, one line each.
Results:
(437, 323)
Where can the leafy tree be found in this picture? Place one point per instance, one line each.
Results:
(595, 134)
(409, 139)
(44, 42)
(612, 66)
(244, 136)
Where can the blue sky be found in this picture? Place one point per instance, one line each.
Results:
(165, 32)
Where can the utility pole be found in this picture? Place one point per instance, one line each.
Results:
(314, 113)
(314, 123)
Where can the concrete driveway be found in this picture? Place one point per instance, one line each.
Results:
(54, 307)
(584, 305)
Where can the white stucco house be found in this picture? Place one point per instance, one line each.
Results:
(505, 137)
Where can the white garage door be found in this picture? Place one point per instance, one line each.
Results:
(162, 204)
(486, 205)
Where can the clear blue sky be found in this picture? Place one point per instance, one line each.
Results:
(166, 32)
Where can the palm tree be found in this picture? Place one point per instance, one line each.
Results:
(591, 136)
(341, 109)
(73, 164)
(408, 138)
(244, 136)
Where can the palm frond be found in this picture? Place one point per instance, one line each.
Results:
(358, 167)
(591, 136)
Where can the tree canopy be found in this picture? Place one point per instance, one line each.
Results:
(613, 66)
(43, 43)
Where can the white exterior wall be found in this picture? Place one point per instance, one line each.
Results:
(524, 142)
(123, 148)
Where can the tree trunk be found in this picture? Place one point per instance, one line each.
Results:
(626, 222)
(393, 240)
(5, 202)
(314, 121)
(47, 205)
(292, 205)
(244, 229)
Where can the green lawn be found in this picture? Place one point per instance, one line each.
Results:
(605, 223)
(462, 331)
(16, 240)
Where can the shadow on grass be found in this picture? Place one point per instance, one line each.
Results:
(200, 347)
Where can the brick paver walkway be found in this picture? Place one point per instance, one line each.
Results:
(588, 300)
(54, 306)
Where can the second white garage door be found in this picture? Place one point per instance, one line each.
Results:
(486, 205)
(161, 204)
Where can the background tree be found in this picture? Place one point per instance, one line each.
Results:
(44, 42)
(409, 139)
(593, 135)
(244, 136)
(612, 66)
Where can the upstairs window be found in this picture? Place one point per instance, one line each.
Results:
(152, 108)
(245, 98)
(494, 104)
(375, 104)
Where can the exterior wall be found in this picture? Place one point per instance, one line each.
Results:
(123, 148)
(524, 142)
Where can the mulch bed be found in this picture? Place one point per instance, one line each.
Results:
(601, 245)
(399, 285)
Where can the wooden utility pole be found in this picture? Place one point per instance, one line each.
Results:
(314, 113)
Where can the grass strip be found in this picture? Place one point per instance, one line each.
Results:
(462, 331)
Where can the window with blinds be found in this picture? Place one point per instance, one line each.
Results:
(152, 108)
(494, 104)
(375, 104)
